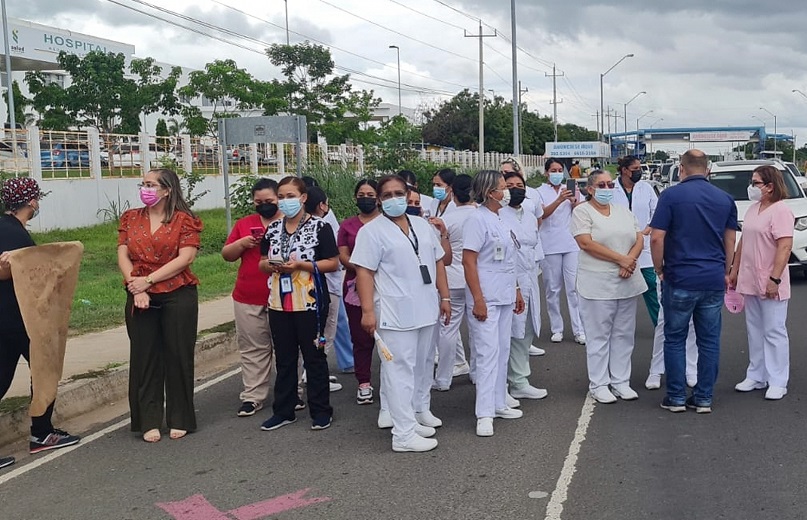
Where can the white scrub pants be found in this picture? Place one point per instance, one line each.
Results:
(768, 343)
(518, 370)
(449, 345)
(560, 270)
(657, 359)
(399, 379)
(610, 333)
(490, 345)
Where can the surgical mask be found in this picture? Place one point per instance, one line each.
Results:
(367, 204)
(266, 210)
(754, 193)
(413, 210)
(636, 176)
(517, 196)
(439, 193)
(290, 207)
(505, 197)
(604, 195)
(36, 212)
(148, 196)
(555, 178)
(394, 207)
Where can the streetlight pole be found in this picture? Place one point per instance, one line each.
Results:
(795, 90)
(637, 129)
(516, 93)
(9, 84)
(625, 120)
(287, 22)
(651, 139)
(774, 129)
(602, 102)
(398, 52)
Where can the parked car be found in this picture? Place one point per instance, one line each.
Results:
(63, 154)
(733, 177)
(9, 161)
(130, 155)
(206, 157)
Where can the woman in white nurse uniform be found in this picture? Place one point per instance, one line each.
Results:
(401, 282)
(489, 260)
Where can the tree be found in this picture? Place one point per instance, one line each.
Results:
(20, 104)
(162, 128)
(455, 123)
(355, 126)
(395, 149)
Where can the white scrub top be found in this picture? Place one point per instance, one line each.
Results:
(454, 221)
(484, 232)
(643, 206)
(427, 202)
(533, 205)
(556, 236)
(525, 226)
(335, 278)
(534, 198)
(433, 208)
(402, 300)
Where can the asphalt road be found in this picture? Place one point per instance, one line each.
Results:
(635, 461)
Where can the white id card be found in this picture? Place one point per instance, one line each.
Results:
(498, 252)
(285, 284)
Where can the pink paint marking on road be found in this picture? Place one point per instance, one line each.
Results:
(193, 508)
(276, 505)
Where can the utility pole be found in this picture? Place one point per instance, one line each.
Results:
(555, 97)
(520, 91)
(481, 90)
(287, 22)
(9, 85)
(516, 149)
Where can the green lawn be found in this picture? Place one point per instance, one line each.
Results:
(99, 299)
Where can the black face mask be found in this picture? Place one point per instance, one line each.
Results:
(413, 210)
(636, 176)
(517, 196)
(266, 210)
(367, 204)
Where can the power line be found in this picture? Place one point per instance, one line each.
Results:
(474, 18)
(426, 15)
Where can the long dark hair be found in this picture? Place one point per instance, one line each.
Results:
(175, 201)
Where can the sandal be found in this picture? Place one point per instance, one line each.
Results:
(178, 434)
(152, 435)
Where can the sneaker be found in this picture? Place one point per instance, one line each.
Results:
(334, 386)
(557, 337)
(384, 419)
(300, 405)
(528, 392)
(365, 394)
(54, 440)
(692, 381)
(535, 351)
(275, 422)
(425, 431)
(321, 423)
(511, 401)
(748, 385)
(774, 393)
(601, 394)
(624, 392)
(461, 370)
(653, 382)
(699, 408)
(580, 338)
(509, 413)
(673, 407)
(428, 419)
(249, 408)
(416, 444)
(7, 461)
(440, 388)
(484, 427)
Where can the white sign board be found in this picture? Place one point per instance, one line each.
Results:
(695, 137)
(574, 150)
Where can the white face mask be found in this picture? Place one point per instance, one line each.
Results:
(505, 200)
(754, 193)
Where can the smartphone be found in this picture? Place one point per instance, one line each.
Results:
(571, 185)
(276, 261)
(256, 232)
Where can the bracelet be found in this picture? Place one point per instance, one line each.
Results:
(445, 299)
(444, 237)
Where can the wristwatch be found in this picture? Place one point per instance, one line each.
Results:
(777, 281)
(149, 280)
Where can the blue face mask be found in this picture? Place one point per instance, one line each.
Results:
(290, 207)
(555, 178)
(413, 210)
(604, 195)
(394, 207)
(439, 193)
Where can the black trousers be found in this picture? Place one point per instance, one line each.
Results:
(292, 333)
(14, 344)
(163, 340)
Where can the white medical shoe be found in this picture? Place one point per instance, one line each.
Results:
(557, 337)
(580, 338)
(384, 419)
(509, 413)
(424, 431)
(511, 401)
(601, 394)
(461, 369)
(428, 419)
(653, 382)
(774, 393)
(528, 392)
(416, 444)
(484, 427)
(747, 385)
(624, 392)
(535, 351)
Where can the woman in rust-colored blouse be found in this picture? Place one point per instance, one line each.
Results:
(156, 246)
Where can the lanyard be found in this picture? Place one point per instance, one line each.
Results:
(415, 243)
(287, 241)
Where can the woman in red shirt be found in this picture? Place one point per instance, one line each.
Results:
(156, 246)
(250, 296)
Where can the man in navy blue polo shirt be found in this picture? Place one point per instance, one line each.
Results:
(692, 244)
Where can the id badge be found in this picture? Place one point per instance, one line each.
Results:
(424, 273)
(498, 252)
(285, 283)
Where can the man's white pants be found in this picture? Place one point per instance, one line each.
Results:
(768, 342)
(399, 378)
(610, 333)
(490, 345)
(657, 359)
(449, 345)
(559, 270)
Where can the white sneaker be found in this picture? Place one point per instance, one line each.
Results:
(428, 419)
(601, 394)
(557, 337)
(653, 382)
(509, 413)
(774, 393)
(747, 385)
(461, 370)
(384, 419)
(535, 351)
(511, 401)
(416, 444)
(335, 387)
(424, 431)
(528, 392)
(624, 392)
(440, 388)
(484, 427)
(580, 338)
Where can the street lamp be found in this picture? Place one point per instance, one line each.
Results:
(651, 139)
(602, 102)
(795, 90)
(625, 114)
(637, 129)
(659, 120)
(774, 129)
(398, 52)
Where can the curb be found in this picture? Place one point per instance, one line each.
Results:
(78, 397)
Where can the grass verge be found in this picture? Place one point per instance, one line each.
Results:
(13, 404)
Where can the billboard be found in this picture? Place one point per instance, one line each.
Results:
(699, 137)
(575, 150)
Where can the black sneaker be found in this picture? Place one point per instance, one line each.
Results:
(275, 422)
(698, 407)
(300, 405)
(248, 408)
(52, 441)
(6, 461)
(321, 423)
(673, 407)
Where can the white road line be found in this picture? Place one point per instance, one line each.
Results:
(41, 461)
(559, 495)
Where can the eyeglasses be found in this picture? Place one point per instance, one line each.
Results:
(758, 183)
(604, 185)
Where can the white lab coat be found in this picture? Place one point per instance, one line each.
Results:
(525, 227)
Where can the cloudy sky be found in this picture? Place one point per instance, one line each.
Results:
(700, 66)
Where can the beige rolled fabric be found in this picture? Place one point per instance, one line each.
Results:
(45, 279)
